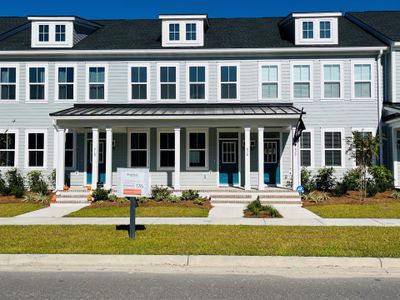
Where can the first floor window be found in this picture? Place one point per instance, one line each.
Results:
(197, 149)
(167, 149)
(8, 83)
(138, 83)
(229, 82)
(7, 149)
(138, 150)
(37, 83)
(36, 149)
(197, 82)
(69, 150)
(97, 83)
(305, 149)
(269, 82)
(333, 148)
(362, 81)
(332, 81)
(66, 83)
(301, 81)
(168, 82)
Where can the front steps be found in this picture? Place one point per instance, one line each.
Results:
(75, 195)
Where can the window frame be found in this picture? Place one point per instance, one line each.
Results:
(87, 82)
(372, 80)
(57, 84)
(16, 66)
(311, 80)
(16, 133)
(159, 131)
(206, 149)
(177, 81)
(43, 33)
(308, 30)
(174, 32)
(191, 32)
(46, 82)
(260, 81)
(320, 29)
(138, 65)
(312, 147)
(219, 82)
(341, 82)
(300, 40)
(45, 150)
(188, 83)
(73, 150)
(60, 33)
(139, 130)
(342, 149)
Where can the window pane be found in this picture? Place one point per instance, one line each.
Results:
(197, 91)
(228, 74)
(269, 73)
(301, 90)
(8, 92)
(7, 158)
(69, 141)
(96, 91)
(308, 30)
(197, 158)
(167, 158)
(362, 72)
(363, 89)
(305, 158)
(332, 72)
(337, 140)
(270, 90)
(139, 140)
(168, 91)
(197, 74)
(305, 140)
(197, 140)
(167, 141)
(36, 92)
(325, 29)
(139, 74)
(228, 91)
(139, 91)
(138, 159)
(69, 159)
(332, 90)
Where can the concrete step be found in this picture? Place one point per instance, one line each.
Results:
(71, 200)
(236, 196)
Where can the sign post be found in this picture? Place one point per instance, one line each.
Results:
(133, 183)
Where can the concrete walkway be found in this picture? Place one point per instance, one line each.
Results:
(226, 210)
(53, 211)
(295, 212)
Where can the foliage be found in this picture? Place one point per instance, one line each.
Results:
(396, 195)
(372, 188)
(190, 195)
(324, 180)
(255, 208)
(100, 194)
(36, 198)
(172, 198)
(340, 189)
(143, 200)
(52, 179)
(316, 197)
(36, 183)
(307, 181)
(15, 183)
(160, 193)
(382, 177)
(3, 186)
(199, 201)
(352, 179)
(114, 198)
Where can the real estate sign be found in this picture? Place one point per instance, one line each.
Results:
(133, 182)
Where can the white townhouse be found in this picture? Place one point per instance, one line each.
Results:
(202, 102)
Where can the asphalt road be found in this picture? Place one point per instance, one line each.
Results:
(108, 285)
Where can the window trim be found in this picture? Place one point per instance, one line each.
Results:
(46, 82)
(74, 149)
(139, 130)
(16, 66)
(57, 84)
(342, 149)
(177, 82)
(45, 151)
(206, 161)
(353, 81)
(148, 84)
(16, 132)
(206, 83)
(311, 81)
(322, 79)
(87, 89)
(159, 131)
(219, 90)
(312, 136)
(260, 82)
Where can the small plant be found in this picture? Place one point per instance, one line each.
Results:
(382, 177)
(352, 179)
(316, 197)
(190, 195)
(372, 188)
(143, 200)
(307, 181)
(100, 194)
(325, 181)
(30, 197)
(160, 193)
(396, 195)
(42, 198)
(255, 208)
(172, 198)
(15, 183)
(36, 183)
(199, 201)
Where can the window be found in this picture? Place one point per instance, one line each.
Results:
(305, 149)
(138, 83)
(333, 148)
(332, 77)
(325, 29)
(138, 150)
(197, 149)
(174, 32)
(302, 81)
(167, 149)
(66, 83)
(60, 33)
(362, 81)
(197, 82)
(308, 30)
(168, 82)
(36, 149)
(8, 83)
(228, 82)
(37, 83)
(269, 82)
(7, 149)
(43, 33)
(97, 83)
(191, 32)
(69, 150)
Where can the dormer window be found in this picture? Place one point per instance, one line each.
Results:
(43, 33)
(191, 32)
(60, 33)
(308, 30)
(174, 32)
(325, 29)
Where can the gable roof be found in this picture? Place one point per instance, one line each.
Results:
(9, 23)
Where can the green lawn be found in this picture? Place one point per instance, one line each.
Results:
(152, 211)
(15, 209)
(374, 210)
(203, 239)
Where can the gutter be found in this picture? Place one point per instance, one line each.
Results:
(380, 104)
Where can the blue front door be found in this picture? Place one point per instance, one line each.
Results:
(271, 162)
(102, 162)
(228, 162)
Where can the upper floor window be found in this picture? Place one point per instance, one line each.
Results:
(174, 32)
(332, 81)
(325, 29)
(316, 28)
(43, 33)
(37, 83)
(66, 83)
(168, 82)
(362, 80)
(302, 81)
(308, 30)
(229, 82)
(8, 83)
(197, 82)
(97, 80)
(138, 83)
(191, 32)
(7, 149)
(60, 33)
(269, 82)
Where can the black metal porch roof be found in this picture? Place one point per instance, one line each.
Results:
(169, 109)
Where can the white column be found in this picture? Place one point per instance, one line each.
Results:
(247, 158)
(295, 163)
(109, 149)
(95, 157)
(177, 175)
(60, 171)
(261, 158)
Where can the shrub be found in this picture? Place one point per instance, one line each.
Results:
(52, 179)
(172, 198)
(372, 188)
(143, 200)
(160, 193)
(325, 181)
(316, 197)
(307, 181)
(352, 179)
(190, 195)
(340, 189)
(36, 183)
(396, 195)
(199, 201)
(272, 211)
(42, 198)
(255, 208)
(3, 185)
(382, 177)
(100, 194)
(15, 183)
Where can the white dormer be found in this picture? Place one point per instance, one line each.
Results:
(52, 32)
(183, 30)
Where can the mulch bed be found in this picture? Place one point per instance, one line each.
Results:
(353, 197)
(152, 203)
(9, 199)
(262, 214)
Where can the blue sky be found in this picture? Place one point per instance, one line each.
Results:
(128, 9)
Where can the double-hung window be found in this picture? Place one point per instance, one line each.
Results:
(37, 83)
(362, 80)
(197, 82)
(302, 81)
(174, 32)
(43, 33)
(197, 149)
(333, 148)
(97, 81)
(8, 83)
(269, 82)
(308, 30)
(191, 31)
(332, 81)
(325, 29)
(66, 80)
(60, 33)
(7, 149)
(166, 149)
(138, 149)
(138, 83)
(305, 149)
(168, 82)
(69, 150)
(229, 82)
(36, 148)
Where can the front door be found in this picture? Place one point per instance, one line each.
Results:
(102, 161)
(228, 162)
(271, 162)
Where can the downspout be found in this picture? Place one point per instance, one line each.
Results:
(380, 104)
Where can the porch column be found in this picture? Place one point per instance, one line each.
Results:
(60, 171)
(261, 158)
(295, 162)
(95, 157)
(247, 186)
(177, 175)
(109, 149)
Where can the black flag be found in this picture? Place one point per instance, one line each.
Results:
(300, 127)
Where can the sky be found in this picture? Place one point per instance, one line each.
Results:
(137, 9)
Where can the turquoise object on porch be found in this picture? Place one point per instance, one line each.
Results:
(102, 178)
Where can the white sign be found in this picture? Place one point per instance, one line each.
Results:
(133, 182)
